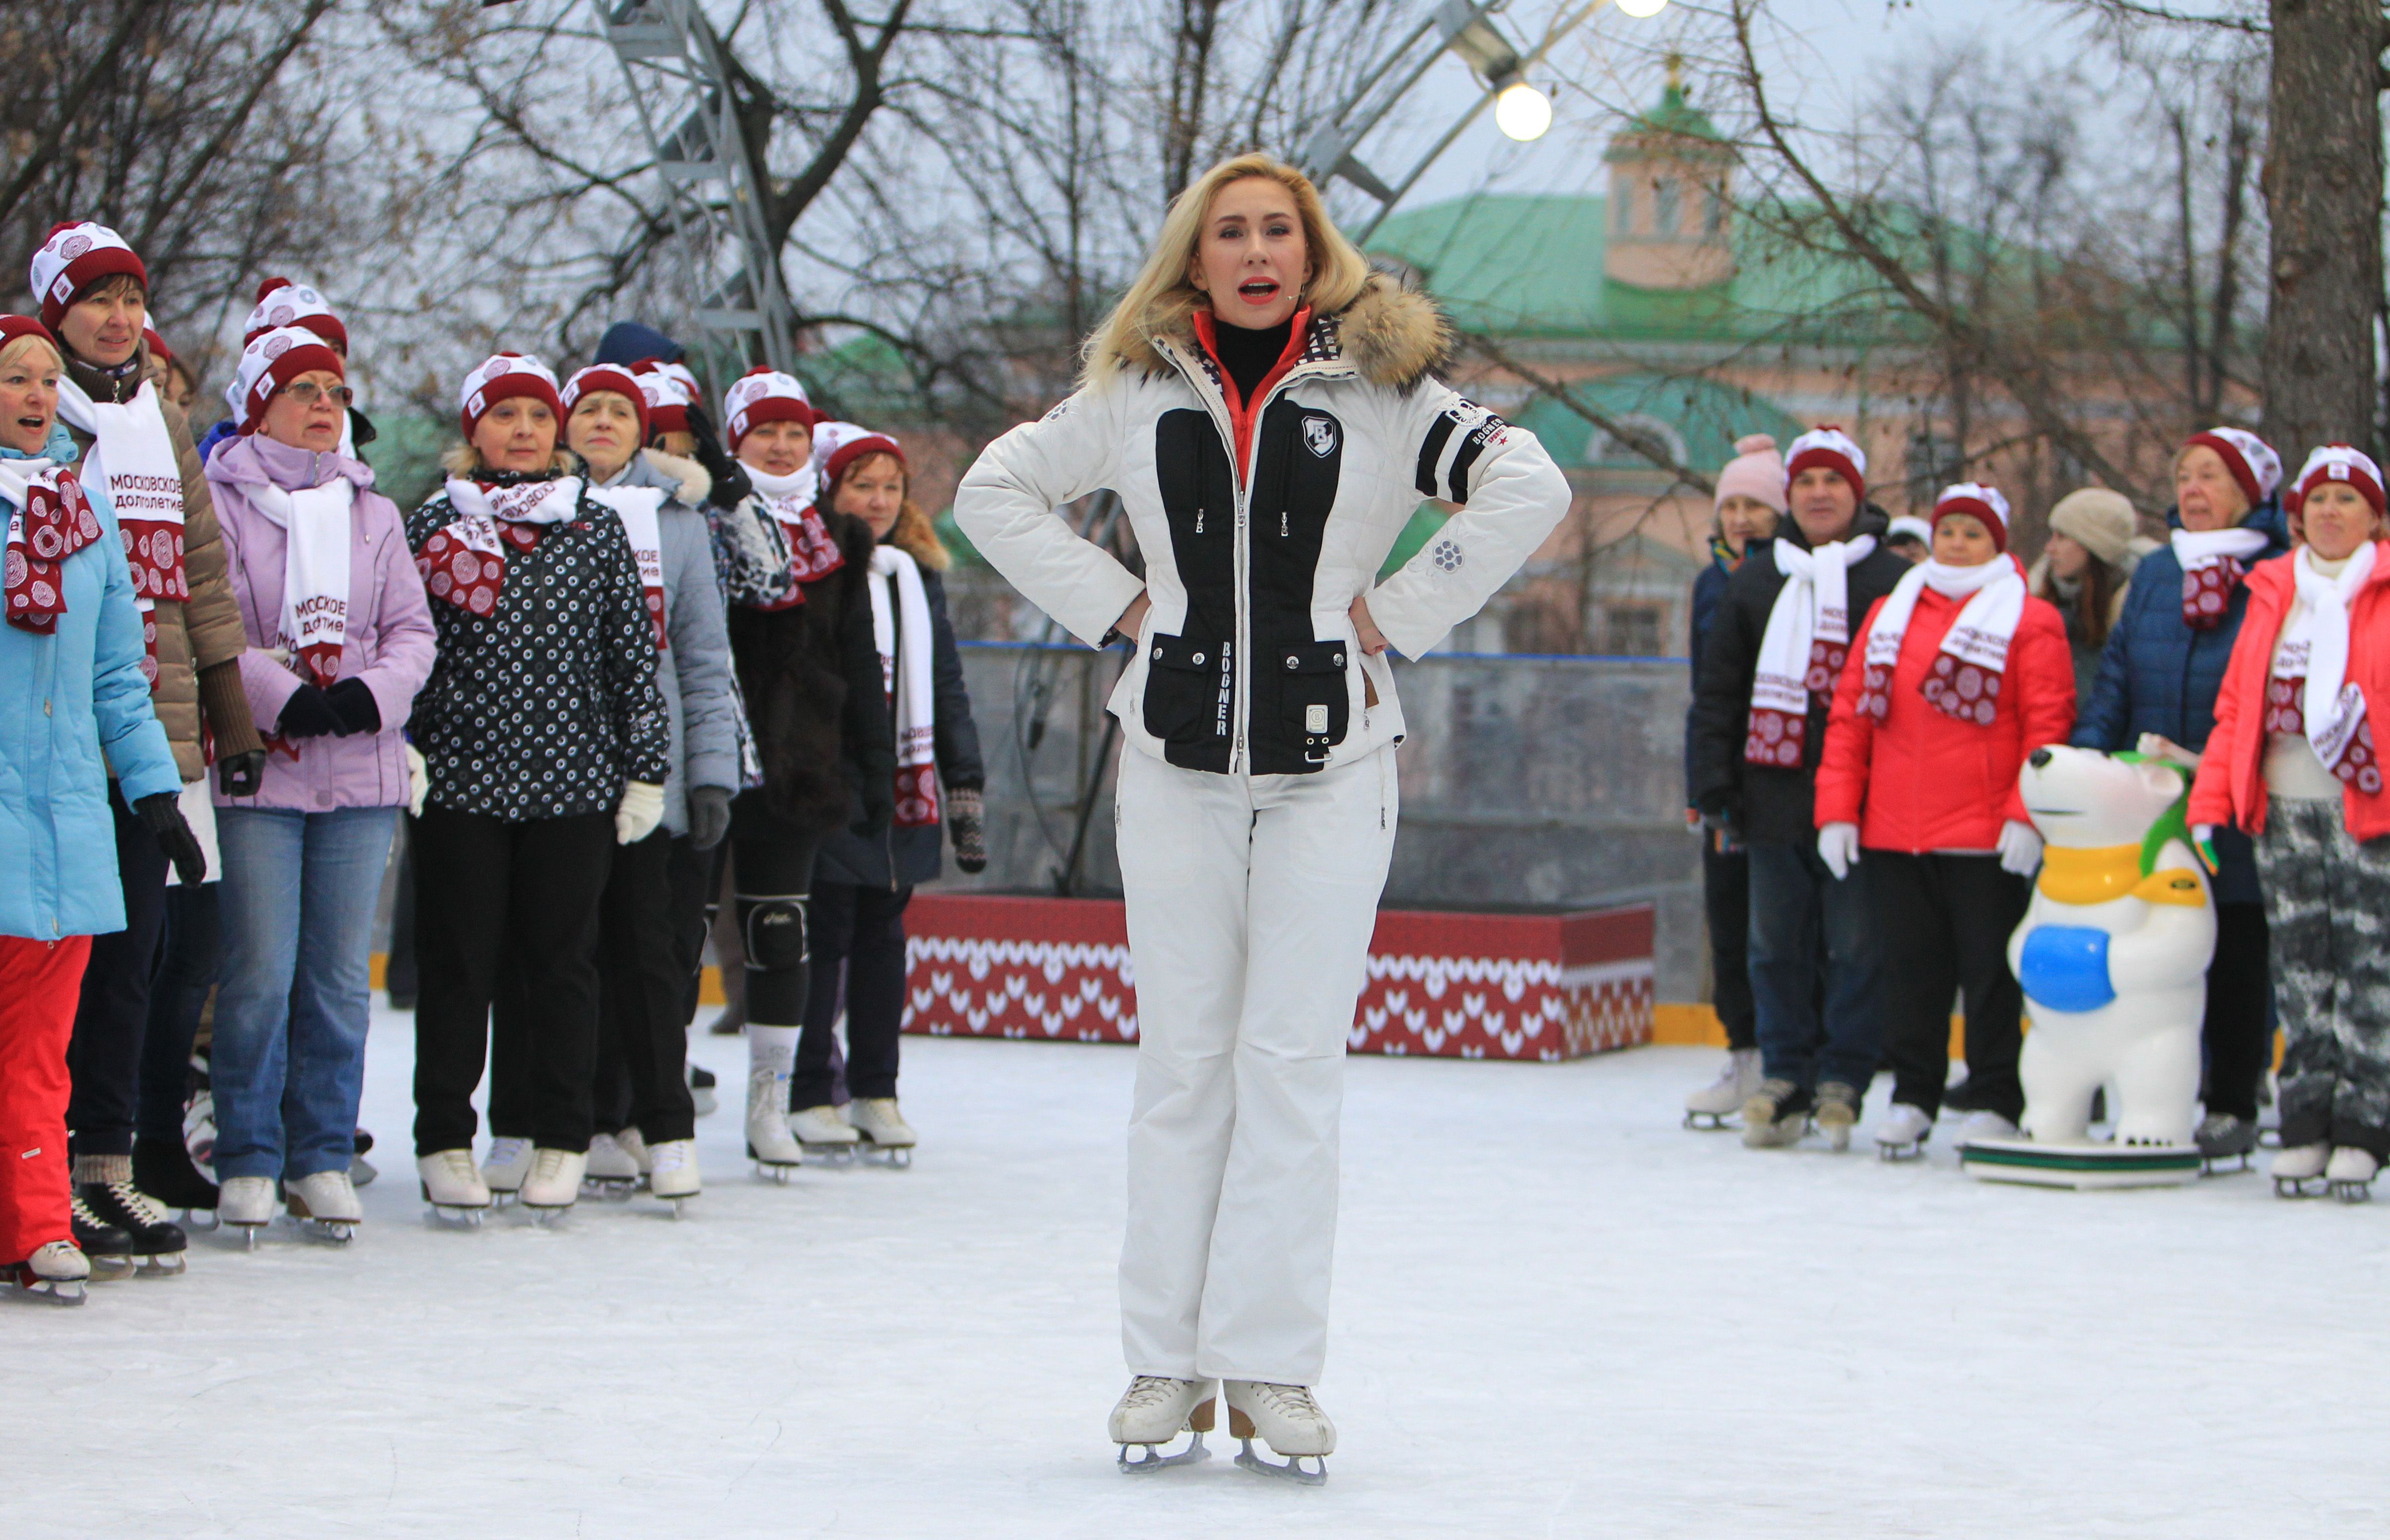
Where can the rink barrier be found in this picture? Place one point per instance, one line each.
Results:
(1440, 984)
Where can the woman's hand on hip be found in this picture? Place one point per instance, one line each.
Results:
(1131, 623)
(1373, 641)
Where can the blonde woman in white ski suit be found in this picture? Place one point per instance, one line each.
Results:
(1261, 403)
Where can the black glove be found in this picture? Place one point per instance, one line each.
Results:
(162, 816)
(354, 707)
(709, 816)
(241, 774)
(879, 796)
(967, 820)
(730, 484)
(308, 713)
(1725, 826)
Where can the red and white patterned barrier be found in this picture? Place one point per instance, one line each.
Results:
(1548, 987)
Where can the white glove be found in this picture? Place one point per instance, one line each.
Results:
(2020, 848)
(642, 810)
(1838, 847)
(418, 780)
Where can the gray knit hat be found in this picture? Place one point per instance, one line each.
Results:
(2101, 520)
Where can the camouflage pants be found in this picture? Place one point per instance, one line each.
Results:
(2328, 906)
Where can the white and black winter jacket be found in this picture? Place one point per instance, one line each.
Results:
(1249, 661)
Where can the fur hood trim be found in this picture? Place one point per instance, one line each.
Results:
(696, 483)
(1391, 335)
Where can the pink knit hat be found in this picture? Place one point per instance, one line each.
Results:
(1756, 472)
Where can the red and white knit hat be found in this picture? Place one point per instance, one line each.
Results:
(764, 396)
(158, 348)
(14, 326)
(670, 390)
(607, 377)
(281, 302)
(1830, 447)
(272, 361)
(2338, 462)
(1981, 499)
(77, 254)
(2251, 459)
(504, 375)
(839, 444)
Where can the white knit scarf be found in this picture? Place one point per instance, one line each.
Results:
(813, 551)
(132, 457)
(1965, 679)
(316, 537)
(638, 508)
(464, 562)
(1808, 640)
(2213, 563)
(908, 674)
(2311, 661)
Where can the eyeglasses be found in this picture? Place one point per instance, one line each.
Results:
(307, 392)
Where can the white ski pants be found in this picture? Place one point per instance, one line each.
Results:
(1251, 902)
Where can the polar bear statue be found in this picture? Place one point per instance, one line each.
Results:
(2114, 951)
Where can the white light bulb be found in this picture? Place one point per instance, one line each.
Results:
(1640, 9)
(1522, 112)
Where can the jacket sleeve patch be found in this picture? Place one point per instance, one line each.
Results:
(1455, 443)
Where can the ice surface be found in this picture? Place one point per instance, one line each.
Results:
(1557, 1314)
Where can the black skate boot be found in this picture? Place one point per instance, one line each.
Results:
(162, 1170)
(2223, 1137)
(104, 1185)
(108, 1250)
(1777, 1115)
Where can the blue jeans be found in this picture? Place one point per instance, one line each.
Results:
(295, 992)
(1812, 945)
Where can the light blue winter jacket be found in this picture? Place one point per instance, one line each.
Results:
(72, 704)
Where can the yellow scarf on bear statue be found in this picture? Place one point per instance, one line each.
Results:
(2105, 872)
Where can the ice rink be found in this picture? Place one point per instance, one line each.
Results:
(1557, 1314)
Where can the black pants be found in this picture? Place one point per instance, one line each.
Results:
(113, 1017)
(525, 894)
(193, 946)
(398, 968)
(649, 925)
(1726, 900)
(1945, 922)
(858, 935)
(773, 863)
(2238, 1030)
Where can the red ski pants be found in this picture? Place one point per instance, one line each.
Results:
(40, 982)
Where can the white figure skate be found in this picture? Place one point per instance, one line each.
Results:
(326, 1206)
(890, 1138)
(1710, 1106)
(452, 1186)
(672, 1172)
(612, 1172)
(771, 1057)
(506, 1169)
(1775, 1117)
(554, 1184)
(1289, 1420)
(2350, 1171)
(55, 1272)
(246, 1203)
(1153, 1411)
(1903, 1132)
(2298, 1170)
(825, 1135)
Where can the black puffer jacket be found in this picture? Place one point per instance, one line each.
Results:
(810, 677)
(1771, 806)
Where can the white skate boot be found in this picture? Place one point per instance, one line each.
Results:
(452, 1186)
(55, 1272)
(2298, 1170)
(506, 1168)
(1988, 1125)
(883, 1128)
(635, 1145)
(771, 1057)
(1722, 1098)
(1151, 1413)
(326, 1205)
(2349, 1173)
(825, 1134)
(554, 1184)
(246, 1203)
(1289, 1420)
(1777, 1116)
(1903, 1132)
(672, 1172)
(612, 1171)
(1837, 1113)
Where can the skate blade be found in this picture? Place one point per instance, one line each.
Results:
(613, 1189)
(777, 1170)
(2299, 1187)
(1709, 1122)
(164, 1264)
(677, 1204)
(831, 1154)
(1291, 1470)
(1896, 1153)
(2216, 1165)
(898, 1156)
(1154, 1459)
(332, 1232)
(2352, 1192)
(109, 1269)
(449, 1216)
(545, 1215)
(58, 1291)
(189, 1219)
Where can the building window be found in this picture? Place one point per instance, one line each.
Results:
(1602, 448)
(1712, 211)
(1633, 630)
(1665, 214)
(1621, 216)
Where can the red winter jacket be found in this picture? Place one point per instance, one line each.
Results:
(1922, 780)
(2232, 784)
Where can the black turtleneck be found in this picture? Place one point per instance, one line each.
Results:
(1247, 354)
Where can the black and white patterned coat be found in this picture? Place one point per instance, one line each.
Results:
(546, 706)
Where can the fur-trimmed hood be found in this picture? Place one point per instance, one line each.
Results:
(1392, 336)
(693, 482)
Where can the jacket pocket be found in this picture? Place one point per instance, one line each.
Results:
(1315, 704)
(1189, 690)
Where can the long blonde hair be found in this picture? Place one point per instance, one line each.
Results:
(1163, 295)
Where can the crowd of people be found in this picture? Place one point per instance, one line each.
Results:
(1859, 719)
(616, 652)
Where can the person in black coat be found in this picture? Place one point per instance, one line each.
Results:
(1759, 724)
(861, 885)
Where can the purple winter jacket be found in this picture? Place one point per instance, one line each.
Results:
(390, 640)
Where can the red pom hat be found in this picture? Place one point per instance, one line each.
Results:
(270, 361)
(509, 374)
(2338, 462)
(1981, 499)
(607, 377)
(281, 302)
(158, 348)
(670, 390)
(765, 395)
(77, 254)
(839, 444)
(2251, 459)
(1836, 451)
(14, 326)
